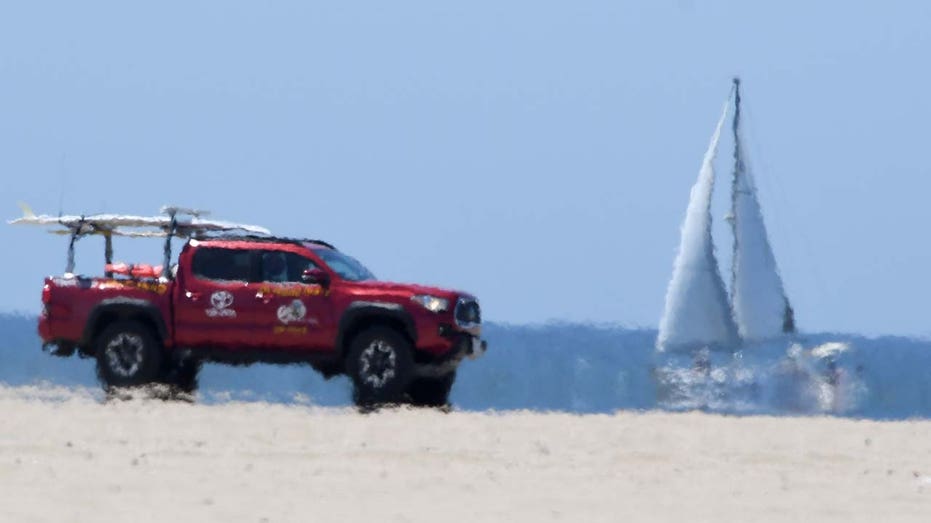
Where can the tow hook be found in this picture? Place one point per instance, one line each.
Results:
(61, 351)
(477, 348)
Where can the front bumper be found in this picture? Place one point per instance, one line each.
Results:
(465, 346)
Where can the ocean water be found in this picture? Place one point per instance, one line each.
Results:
(585, 369)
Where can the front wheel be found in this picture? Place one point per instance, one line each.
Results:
(181, 375)
(380, 364)
(431, 392)
(127, 355)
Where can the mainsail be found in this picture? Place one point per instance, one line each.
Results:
(697, 311)
(761, 308)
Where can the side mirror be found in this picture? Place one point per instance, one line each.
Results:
(315, 276)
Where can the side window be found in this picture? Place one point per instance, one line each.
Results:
(282, 267)
(222, 264)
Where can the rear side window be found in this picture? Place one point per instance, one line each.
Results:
(222, 264)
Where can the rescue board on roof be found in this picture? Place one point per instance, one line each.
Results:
(175, 221)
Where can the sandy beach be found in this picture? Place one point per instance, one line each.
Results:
(65, 456)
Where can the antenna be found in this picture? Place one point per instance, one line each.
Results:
(62, 180)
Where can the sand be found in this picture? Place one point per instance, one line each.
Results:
(66, 456)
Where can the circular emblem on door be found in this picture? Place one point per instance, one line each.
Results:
(294, 311)
(221, 300)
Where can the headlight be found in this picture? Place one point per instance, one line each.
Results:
(431, 303)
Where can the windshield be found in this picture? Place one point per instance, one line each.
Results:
(346, 266)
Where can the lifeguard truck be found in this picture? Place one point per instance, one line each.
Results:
(238, 294)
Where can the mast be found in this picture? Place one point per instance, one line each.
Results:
(738, 168)
(738, 160)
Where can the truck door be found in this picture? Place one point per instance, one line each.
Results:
(292, 314)
(216, 303)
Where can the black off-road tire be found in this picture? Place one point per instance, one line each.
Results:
(381, 366)
(181, 375)
(431, 392)
(128, 355)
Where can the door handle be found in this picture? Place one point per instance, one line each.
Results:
(264, 298)
(193, 296)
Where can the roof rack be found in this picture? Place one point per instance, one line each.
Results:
(175, 221)
(272, 239)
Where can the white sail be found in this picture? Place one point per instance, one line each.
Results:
(697, 311)
(761, 308)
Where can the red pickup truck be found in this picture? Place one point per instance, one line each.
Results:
(250, 298)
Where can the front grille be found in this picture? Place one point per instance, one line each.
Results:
(468, 313)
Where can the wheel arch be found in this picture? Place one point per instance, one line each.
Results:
(124, 309)
(361, 315)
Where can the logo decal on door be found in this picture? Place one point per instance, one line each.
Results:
(221, 302)
(292, 312)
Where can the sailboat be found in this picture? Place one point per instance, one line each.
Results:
(700, 312)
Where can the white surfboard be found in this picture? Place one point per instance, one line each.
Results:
(186, 222)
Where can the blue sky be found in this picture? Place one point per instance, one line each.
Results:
(538, 154)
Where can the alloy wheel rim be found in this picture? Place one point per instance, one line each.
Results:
(378, 364)
(124, 354)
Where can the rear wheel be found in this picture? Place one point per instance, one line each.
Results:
(431, 392)
(127, 355)
(380, 364)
